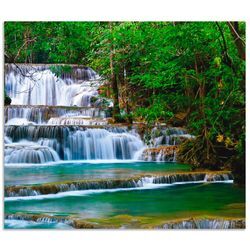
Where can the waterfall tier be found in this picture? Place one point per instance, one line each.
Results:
(167, 136)
(41, 114)
(94, 139)
(38, 218)
(160, 153)
(192, 223)
(29, 153)
(163, 143)
(20, 191)
(77, 143)
(78, 120)
(38, 85)
(71, 72)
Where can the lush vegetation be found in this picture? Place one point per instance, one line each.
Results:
(185, 74)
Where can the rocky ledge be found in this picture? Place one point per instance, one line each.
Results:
(134, 182)
(161, 153)
(205, 224)
(190, 223)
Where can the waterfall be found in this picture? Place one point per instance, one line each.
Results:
(42, 114)
(160, 153)
(73, 138)
(38, 85)
(55, 116)
(163, 144)
(63, 116)
(169, 136)
(102, 144)
(71, 143)
(29, 153)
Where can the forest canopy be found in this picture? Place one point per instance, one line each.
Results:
(189, 74)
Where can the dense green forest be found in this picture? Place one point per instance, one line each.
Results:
(189, 74)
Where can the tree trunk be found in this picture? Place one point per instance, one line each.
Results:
(225, 55)
(116, 108)
(114, 83)
(239, 42)
(240, 45)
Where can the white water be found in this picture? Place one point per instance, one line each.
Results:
(102, 144)
(78, 120)
(24, 224)
(28, 152)
(145, 184)
(45, 164)
(41, 114)
(168, 136)
(88, 144)
(19, 122)
(40, 86)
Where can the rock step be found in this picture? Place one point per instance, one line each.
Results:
(42, 114)
(160, 153)
(141, 181)
(39, 218)
(205, 224)
(191, 223)
(76, 72)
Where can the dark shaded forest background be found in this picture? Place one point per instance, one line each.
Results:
(188, 74)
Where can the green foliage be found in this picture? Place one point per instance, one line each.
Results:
(154, 113)
(47, 42)
(59, 70)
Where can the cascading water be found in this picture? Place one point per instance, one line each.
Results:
(163, 144)
(102, 144)
(60, 113)
(41, 114)
(29, 153)
(79, 120)
(77, 143)
(169, 136)
(38, 85)
(45, 113)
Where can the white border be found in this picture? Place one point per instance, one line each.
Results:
(93, 10)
